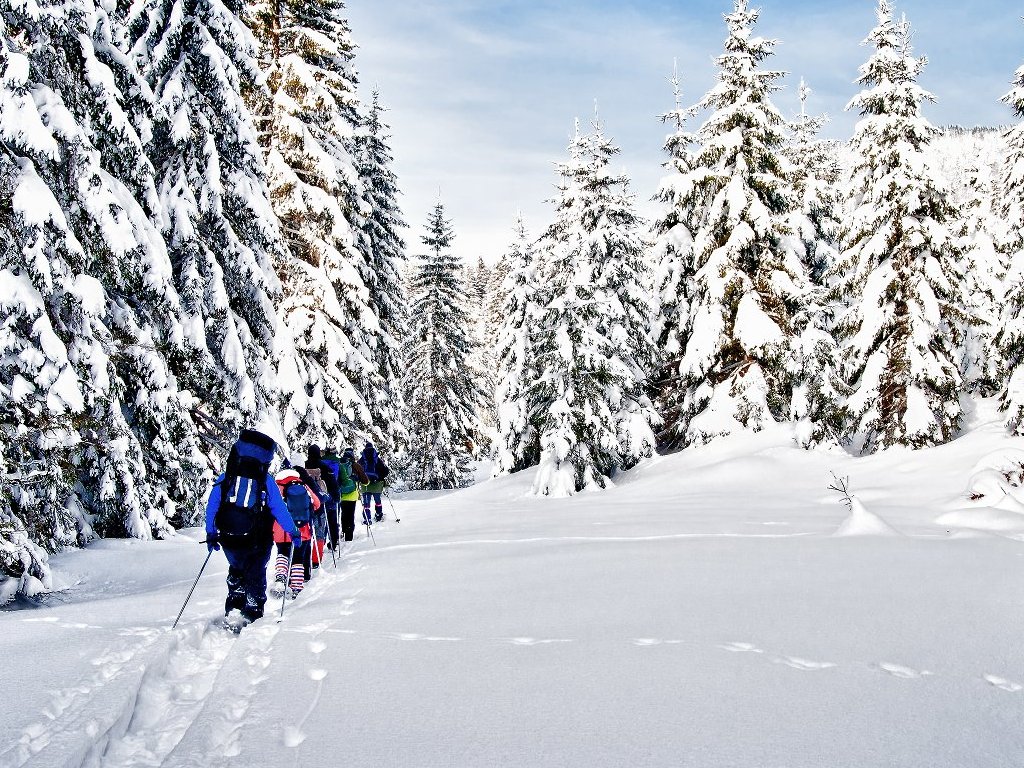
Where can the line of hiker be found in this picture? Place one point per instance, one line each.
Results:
(250, 511)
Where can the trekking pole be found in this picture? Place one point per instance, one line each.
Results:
(208, 555)
(393, 510)
(288, 581)
(333, 540)
(369, 532)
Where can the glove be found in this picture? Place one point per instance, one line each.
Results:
(212, 543)
(296, 537)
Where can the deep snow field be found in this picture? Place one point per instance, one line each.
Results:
(702, 613)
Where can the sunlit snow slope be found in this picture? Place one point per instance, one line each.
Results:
(702, 614)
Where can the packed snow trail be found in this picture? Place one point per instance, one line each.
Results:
(701, 613)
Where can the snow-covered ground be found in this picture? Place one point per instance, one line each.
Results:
(702, 613)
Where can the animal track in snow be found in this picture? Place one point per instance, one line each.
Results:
(804, 664)
(740, 648)
(904, 673)
(1003, 684)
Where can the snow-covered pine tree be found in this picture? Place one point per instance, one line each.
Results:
(750, 278)
(901, 246)
(478, 285)
(1011, 337)
(672, 260)
(442, 390)
(816, 181)
(516, 444)
(816, 403)
(594, 347)
(215, 213)
(324, 365)
(385, 258)
(95, 432)
(985, 283)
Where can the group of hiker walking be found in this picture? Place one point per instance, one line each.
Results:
(304, 510)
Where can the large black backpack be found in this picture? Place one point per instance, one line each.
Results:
(242, 517)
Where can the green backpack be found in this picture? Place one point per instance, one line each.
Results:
(346, 483)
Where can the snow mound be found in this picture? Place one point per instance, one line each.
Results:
(994, 496)
(862, 522)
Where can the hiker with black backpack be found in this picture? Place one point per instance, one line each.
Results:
(350, 477)
(244, 504)
(319, 469)
(293, 552)
(332, 461)
(377, 473)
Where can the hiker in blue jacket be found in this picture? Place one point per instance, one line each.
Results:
(240, 516)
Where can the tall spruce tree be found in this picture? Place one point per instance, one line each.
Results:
(750, 278)
(442, 390)
(985, 283)
(1011, 244)
(901, 245)
(215, 213)
(325, 369)
(817, 389)
(95, 431)
(385, 257)
(672, 260)
(516, 444)
(593, 412)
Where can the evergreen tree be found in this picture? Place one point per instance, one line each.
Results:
(325, 368)
(900, 249)
(750, 279)
(516, 444)
(815, 180)
(672, 260)
(817, 389)
(594, 345)
(95, 431)
(985, 272)
(441, 388)
(384, 254)
(215, 212)
(1011, 244)
(1011, 241)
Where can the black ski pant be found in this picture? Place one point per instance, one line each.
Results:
(247, 578)
(348, 518)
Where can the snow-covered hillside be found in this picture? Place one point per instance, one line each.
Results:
(702, 613)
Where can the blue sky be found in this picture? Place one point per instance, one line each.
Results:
(483, 93)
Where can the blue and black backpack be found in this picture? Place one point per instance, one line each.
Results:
(300, 507)
(242, 515)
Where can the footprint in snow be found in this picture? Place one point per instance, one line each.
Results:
(293, 736)
(1003, 684)
(740, 648)
(804, 664)
(317, 646)
(530, 641)
(317, 674)
(647, 642)
(904, 673)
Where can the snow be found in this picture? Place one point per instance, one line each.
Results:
(700, 612)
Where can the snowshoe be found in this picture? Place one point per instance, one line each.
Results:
(279, 586)
(378, 517)
(295, 593)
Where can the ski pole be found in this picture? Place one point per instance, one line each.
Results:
(288, 579)
(369, 532)
(393, 510)
(208, 555)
